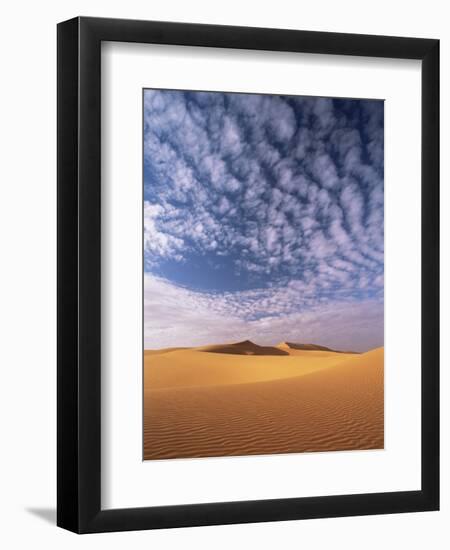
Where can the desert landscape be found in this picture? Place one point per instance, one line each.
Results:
(247, 399)
(263, 237)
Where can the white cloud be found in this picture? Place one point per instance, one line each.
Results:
(175, 316)
(289, 189)
(158, 242)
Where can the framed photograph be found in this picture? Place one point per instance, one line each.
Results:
(248, 275)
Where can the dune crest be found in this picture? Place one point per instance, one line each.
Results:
(246, 347)
(309, 347)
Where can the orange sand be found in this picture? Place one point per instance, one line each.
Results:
(209, 401)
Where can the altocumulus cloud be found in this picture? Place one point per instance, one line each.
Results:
(263, 219)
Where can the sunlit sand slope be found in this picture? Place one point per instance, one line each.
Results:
(178, 367)
(199, 404)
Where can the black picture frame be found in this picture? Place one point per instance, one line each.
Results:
(79, 280)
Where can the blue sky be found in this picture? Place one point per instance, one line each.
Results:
(263, 219)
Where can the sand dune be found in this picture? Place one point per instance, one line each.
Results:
(200, 402)
(307, 347)
(244, 348)
(160, 351)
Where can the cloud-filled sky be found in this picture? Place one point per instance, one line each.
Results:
(263, 219)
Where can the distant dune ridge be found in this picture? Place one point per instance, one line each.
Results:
(246, 399)
(309, 347)
(244, 348)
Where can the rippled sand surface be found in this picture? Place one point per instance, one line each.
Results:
(214, 401)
